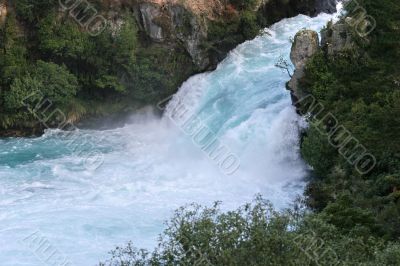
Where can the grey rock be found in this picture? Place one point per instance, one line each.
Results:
(174, 25)
(192, 32)
(305, 45)
(336, 38)
(325, 6)
(149, 13)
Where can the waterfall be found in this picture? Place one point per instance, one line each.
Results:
(226, 135)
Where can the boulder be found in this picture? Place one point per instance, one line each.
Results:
(305, 45)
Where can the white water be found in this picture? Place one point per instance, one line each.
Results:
(151, 168)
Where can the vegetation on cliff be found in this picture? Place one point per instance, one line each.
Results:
(88, 75)
(360, 86)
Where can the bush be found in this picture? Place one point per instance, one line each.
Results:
(34, 10)
(248, 25)
(255, 234)
(54, 82)
(317, 151)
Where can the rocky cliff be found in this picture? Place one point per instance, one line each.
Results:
(188, 23)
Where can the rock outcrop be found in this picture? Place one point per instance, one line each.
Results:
(336, 38)
(149, 13)
(305, 45)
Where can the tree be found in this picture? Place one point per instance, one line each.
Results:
(62, 39)
(248, 25)
(317, 151)
(54, 82)
(126, 43)
(284, 65)
(33, 10)
(255, 234)
(13, 61)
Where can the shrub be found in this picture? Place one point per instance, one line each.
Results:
(255, 234)
(53, 81)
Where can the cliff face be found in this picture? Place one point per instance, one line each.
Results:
(187, 23)
(174, 24)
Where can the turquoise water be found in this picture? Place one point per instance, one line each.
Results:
(151, 166)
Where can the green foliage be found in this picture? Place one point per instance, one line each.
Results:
(110, 82)
(53, 81)
(348, 217)
(317, 151)
(126, 43)
(34, 10)
(327, 85)
(224, 35)
(47, 83)
(113, 70)
(158, 73)
(61, 39)
(12, 51)
(360, 87)
(248, 25)
(20, 90)
(255, 234)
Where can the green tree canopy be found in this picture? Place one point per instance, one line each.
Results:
(54, 82)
